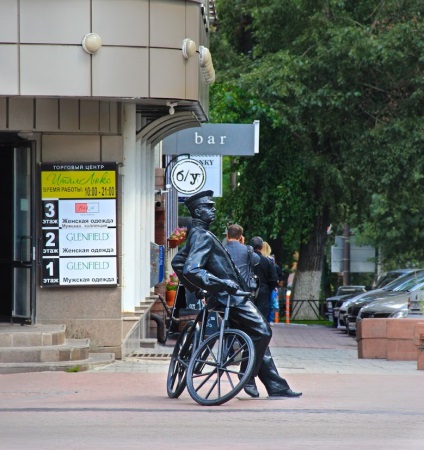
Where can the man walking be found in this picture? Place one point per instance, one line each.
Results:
(203, 263)
(243, 256)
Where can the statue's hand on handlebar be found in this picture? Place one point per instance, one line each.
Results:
(200, 294)
(230, 286)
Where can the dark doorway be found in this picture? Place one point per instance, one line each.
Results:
(17, 244)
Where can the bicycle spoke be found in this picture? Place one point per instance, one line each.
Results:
(230, 380)
(232, 359)
(206, 376)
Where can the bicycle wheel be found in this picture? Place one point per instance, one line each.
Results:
(176, 381)
(213, 379)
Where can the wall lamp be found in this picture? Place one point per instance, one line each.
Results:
(188, 48)
(171, 107)
(206, 64)
(91, 43)
(163, 191)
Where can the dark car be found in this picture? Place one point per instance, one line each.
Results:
(397, 288)
(342, 293)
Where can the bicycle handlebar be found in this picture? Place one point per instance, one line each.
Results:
(202, 294)
(243, 293)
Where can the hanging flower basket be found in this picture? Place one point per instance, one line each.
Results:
(177, 237)
(173, 243)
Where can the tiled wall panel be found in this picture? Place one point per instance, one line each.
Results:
(9, 73)
(167, 23)
(54, 70)
(54, 22)
(123, 22)
(21, 113)
(8, 26)
(121, 72)
(167, 74)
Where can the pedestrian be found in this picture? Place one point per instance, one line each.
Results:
(267, 275)
(274, 299)
(243, 256)
(204, 263)
(266, 249)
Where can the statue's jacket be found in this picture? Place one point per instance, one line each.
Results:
(203, 262)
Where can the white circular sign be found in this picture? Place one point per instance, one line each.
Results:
(188, 176)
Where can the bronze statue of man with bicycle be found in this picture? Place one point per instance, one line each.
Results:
(203, 264)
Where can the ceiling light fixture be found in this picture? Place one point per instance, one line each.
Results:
(171, 107)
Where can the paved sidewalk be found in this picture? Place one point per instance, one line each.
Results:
(347, 403)
(296, 349)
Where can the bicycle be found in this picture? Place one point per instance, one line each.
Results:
(215, 368)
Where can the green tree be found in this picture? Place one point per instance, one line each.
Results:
(338, 88)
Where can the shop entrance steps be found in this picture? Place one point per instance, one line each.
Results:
(38, 348)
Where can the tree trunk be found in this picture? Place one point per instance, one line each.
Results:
(307, 282)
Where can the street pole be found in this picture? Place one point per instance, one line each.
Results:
(346, 255)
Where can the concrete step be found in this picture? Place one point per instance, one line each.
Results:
(94, 360)
(38, 348)
(144, 307)
(148, 343)
(12, 335)
(71, 350)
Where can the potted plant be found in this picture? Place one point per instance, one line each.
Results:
(177, 237)
(171, 288)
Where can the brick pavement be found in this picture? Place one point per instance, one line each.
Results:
(346, 402)
(310, 336)
(297, 349)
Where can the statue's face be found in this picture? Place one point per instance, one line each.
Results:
(206, 213)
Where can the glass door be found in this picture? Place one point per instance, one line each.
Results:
(23, 234)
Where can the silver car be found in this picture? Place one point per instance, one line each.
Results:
(393, 307)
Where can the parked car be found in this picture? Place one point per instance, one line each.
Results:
(387, 277)
(342, 293)
(341, 308)
(394, 307)
(389, 302)
(381, 283)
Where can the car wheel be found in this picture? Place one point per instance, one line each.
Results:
(348, 330)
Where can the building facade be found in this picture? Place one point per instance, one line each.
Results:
(88, 90)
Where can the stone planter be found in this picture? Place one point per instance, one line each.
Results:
(173, 243)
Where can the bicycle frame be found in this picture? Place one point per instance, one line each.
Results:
(223, 326)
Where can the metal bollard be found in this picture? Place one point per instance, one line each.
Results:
(288, 308)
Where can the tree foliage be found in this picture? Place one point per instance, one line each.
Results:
(338, 88)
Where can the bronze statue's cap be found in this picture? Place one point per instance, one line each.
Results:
(201, 198)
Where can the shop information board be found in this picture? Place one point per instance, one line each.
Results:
(79, 242)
